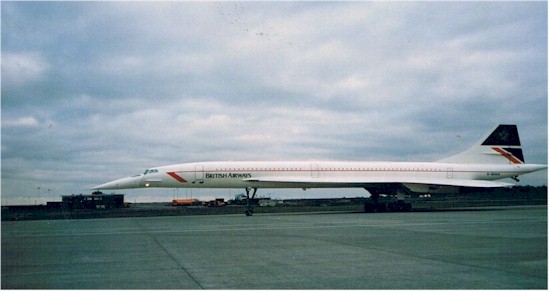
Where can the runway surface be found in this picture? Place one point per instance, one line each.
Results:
(478, 249)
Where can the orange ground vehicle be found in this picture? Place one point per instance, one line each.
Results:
(185, 202)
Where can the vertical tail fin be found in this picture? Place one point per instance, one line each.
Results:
(501, 146)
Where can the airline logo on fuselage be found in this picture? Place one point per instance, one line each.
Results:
(208, 175)
(228, 175)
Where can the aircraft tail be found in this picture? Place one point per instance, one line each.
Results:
(500, 146)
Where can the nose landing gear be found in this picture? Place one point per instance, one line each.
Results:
(249, 211)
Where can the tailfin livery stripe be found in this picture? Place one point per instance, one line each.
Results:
(508, 155)
(516, 152)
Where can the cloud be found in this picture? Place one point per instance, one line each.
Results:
(19, 69)
(20, 122)
(94, 91)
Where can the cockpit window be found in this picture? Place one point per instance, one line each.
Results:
(149, 171)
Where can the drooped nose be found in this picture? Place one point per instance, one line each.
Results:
(123, 183)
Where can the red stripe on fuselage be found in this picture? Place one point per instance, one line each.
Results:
(176, 177)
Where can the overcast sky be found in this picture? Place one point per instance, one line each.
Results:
(93, 92)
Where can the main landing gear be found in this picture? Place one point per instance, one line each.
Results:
(375, 206)
(249, 211)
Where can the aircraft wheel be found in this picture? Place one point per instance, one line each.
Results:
(369, 207)
(380, 207)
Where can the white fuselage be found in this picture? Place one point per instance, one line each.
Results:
(317, 174)
(496, 156)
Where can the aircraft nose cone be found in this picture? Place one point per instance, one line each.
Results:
(124, 183)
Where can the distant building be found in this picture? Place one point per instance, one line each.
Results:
(267, 202)
(96, 200)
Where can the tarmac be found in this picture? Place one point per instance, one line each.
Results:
(481, 248)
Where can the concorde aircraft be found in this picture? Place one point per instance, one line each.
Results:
(497, 155)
